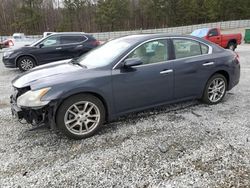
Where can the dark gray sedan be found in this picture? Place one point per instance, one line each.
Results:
(124, 75)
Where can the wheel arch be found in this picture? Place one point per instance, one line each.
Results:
(232, 41)
(97, 95)
(24, 55)
(222, 72)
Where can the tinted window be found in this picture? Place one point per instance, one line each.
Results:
(213, 32)
(151, 52)
(204, 49)
(51, 41)
(186, 48)
(72, 39)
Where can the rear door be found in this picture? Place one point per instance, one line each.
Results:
(193, 65)
(73, 45)
(145, 85)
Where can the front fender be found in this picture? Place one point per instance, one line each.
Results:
(59, 93)
(22, 54)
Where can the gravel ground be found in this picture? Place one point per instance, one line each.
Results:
(184, 145)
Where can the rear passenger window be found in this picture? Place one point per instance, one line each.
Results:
(72, 39)
(188, 48)
(204, 49)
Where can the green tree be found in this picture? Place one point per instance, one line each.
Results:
(28, 16)
(112, 14)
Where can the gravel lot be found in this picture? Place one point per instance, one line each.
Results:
(184, 145)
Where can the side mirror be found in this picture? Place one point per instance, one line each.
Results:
(210, 34)
(131, 62)
(40, 45)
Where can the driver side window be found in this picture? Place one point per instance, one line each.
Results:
(213, 32)
(151, 52)
(51, 41)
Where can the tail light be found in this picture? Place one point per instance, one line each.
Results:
(237, 58)
(10, 43)
(95, 43)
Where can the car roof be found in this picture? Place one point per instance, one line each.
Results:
(69, 33)
(143, 37)
(136, 39)
(72, 33)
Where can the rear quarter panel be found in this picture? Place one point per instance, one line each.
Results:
(226, 61)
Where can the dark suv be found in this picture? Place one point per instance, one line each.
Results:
(55, 47)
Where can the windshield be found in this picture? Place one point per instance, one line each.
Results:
(104, 54)
(37, 42)
(200, 32)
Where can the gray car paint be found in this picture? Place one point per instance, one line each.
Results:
(139, 88)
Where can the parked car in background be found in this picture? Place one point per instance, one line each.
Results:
(17, 40)
(55, 47)
(229, 41)
(19, 36)
(6, 44)
(124, 75)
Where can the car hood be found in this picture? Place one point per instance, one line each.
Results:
(47, 75)
(20, 47)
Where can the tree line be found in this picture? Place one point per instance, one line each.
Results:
(38, 16)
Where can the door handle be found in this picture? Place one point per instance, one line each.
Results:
(208, 64)
(59, 48)
(79, 46)
(166, 71)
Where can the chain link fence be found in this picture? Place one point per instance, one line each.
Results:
(103, 36)
(175, 30)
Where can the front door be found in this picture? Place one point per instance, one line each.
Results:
(50, 50)
(214, 36)
(145, 85)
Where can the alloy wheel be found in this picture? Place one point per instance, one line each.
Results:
(216, 90)
(26, 64)
(82, 117)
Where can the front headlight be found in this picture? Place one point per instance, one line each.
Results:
(33, 98)
(7, 53)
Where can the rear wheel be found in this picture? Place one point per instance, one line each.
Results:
(215, 89)
(232, 46)
(80, 116)
(26, 63)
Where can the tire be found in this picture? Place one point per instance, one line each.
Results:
(26, 63)
(215, 89)
(80, 116)
(232, 46)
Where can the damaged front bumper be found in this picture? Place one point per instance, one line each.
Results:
(37, 117)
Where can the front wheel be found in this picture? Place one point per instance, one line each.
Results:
(80, 116)
(26, 63)
(215, 89)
